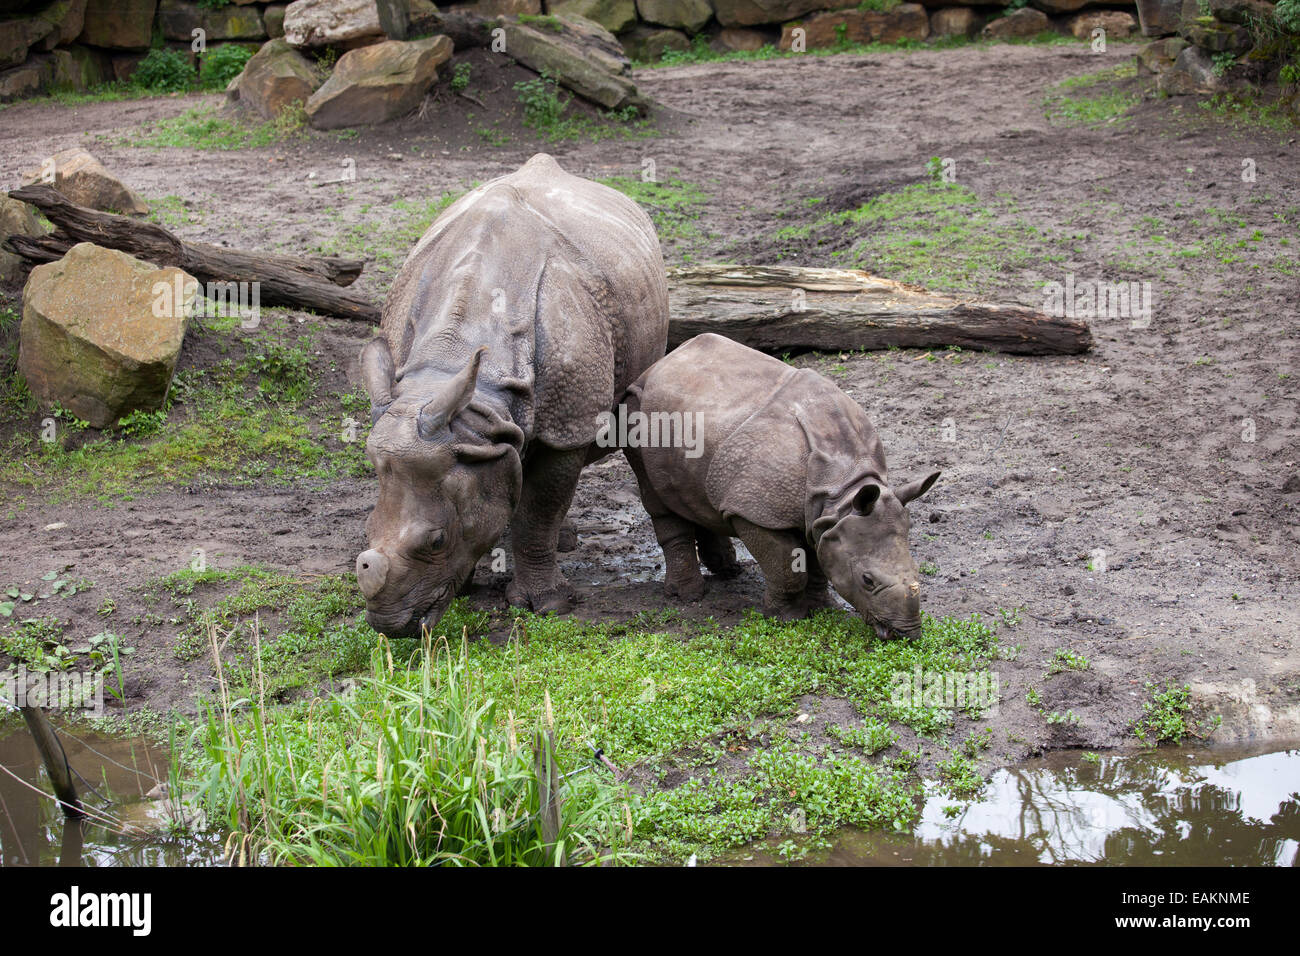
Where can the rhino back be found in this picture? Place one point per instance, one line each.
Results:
(755, 449)
(561, 278)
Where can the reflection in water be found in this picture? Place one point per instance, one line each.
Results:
(33, 831)
(1226, 806)
(1220, 807)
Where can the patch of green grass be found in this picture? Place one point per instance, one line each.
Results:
(650, 697)
(674, 206)
(385, 234)
(546, 112)
(940, 235)
(251, 421)
(415, 768)
(871, 738)
(1167, 715)
(960, 776)
(206, 128)
(172, 211)
(1065, 659)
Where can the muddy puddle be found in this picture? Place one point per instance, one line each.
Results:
(1228, 806)
(125, 826)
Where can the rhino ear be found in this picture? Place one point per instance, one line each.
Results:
(377, 374)
(438, 412)
(915, 489)
(865, 500)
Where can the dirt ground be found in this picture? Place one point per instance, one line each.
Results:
(1135, 449)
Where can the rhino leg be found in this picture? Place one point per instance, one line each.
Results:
(676, 536)
(817, 595)
(717, 553)
(550, 479)
(775, 552)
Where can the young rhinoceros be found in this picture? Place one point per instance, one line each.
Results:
(524, 312)
(785, 461)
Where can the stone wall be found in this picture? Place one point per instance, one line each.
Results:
(649, 27)
(79, 44)
(1215, 46)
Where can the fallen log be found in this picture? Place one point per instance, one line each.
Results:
(306, 282)
(780, 308)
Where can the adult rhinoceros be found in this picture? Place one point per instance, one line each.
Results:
(519, 318)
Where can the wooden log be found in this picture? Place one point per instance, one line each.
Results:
(56, 763)
(763, 307)
(294, 281)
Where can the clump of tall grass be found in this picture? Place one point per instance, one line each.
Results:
(415, 766)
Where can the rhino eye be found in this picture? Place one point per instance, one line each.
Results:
(436, 540)
(868, 582)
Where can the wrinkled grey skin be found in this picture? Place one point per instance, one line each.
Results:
(522, 314)
(790, 465)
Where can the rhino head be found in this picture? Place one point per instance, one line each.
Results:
(861, 546)
(449, 479)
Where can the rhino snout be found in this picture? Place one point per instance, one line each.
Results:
(372, 572)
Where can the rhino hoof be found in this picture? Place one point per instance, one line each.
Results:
(786, 611)
(559, 599)
(692, 589)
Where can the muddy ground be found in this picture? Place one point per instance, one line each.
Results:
(1135, 449)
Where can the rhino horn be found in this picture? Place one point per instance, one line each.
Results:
(372, 572)
(438, 412)
(377, 373)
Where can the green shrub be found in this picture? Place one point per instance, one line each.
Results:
(460, 77)
(1287, 15)
(164, 71)
(542, 103)
(222, 64)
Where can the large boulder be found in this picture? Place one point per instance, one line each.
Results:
(101, 332)
(378, 83)
(1242, 12)
(19, 36)
(1159, 18)
(80, 68)
(582, 56)
(273, 19)
(1158, 55)
(16, 219)
(28, 79)
(954, 22)
(1025, 22)
(647, 44)
(739, 40)
(1058, 6)
(344, 24)
(1117, 24)
(1217, 36)
(614, 15)
(1192, 72)
(907, 21)
(688, 15)
(119, 24)
(508, 8)
(276, 76)
(748, 13)
(83, 179)
(180, 18)
(68, 18)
